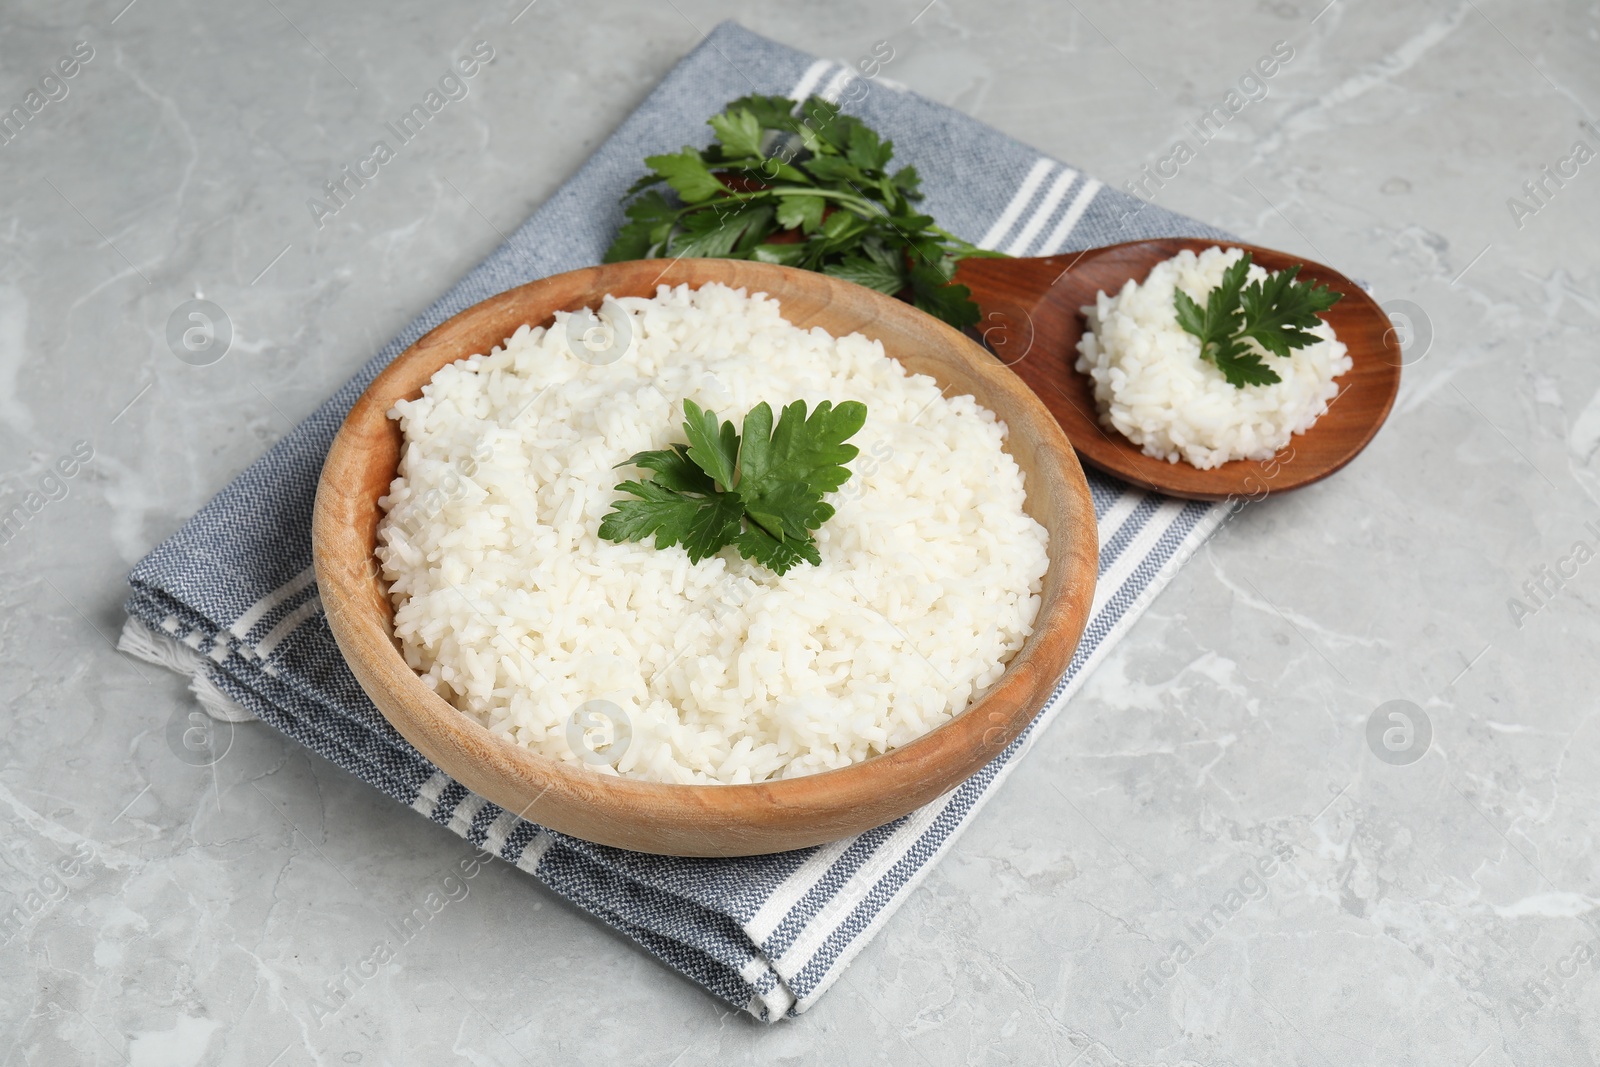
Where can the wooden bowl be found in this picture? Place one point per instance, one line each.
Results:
(701, 820)
(1031, 320)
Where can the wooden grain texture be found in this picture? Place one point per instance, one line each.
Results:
(709, 820)
(1031, 320)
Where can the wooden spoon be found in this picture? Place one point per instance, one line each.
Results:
(1032, 323)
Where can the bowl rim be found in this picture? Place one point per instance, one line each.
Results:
(689, 819)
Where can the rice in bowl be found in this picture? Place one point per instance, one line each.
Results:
(1151, 385)
(513, 609)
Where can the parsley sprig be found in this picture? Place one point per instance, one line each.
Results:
(811, 190)
(1274, 312)
(760, 491)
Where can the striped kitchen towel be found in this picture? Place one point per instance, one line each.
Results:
(230, 599)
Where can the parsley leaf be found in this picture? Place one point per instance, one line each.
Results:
(907, 181)
(866, 150)
(739, 130)
(663, 512)
(715, 524)
(771, 112)
(778, 556)
(867, 272)
(810, 451)
(1276, 313)
(789, 255)
(713, 449)
(802, 212)
(936, 295)
(715, 235)
(643, 237)
(1241, 366)
(688, 175)
(675, 470)
(805, 185)
(784, 472)
(760, 492)
(1219, 320)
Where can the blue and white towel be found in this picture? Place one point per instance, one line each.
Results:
(231, 600)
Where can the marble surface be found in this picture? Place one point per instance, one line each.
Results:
(1218, 785)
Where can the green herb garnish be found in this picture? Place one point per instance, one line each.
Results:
(760, 491)
(1274, 313)
(812, 190)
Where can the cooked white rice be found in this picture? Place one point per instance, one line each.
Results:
(1151, 385)
(512, 608)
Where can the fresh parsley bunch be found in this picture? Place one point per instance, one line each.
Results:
(760, 491)
(1274, 312)
(823, 198)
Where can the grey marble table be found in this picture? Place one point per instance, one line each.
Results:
(1434, 901)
